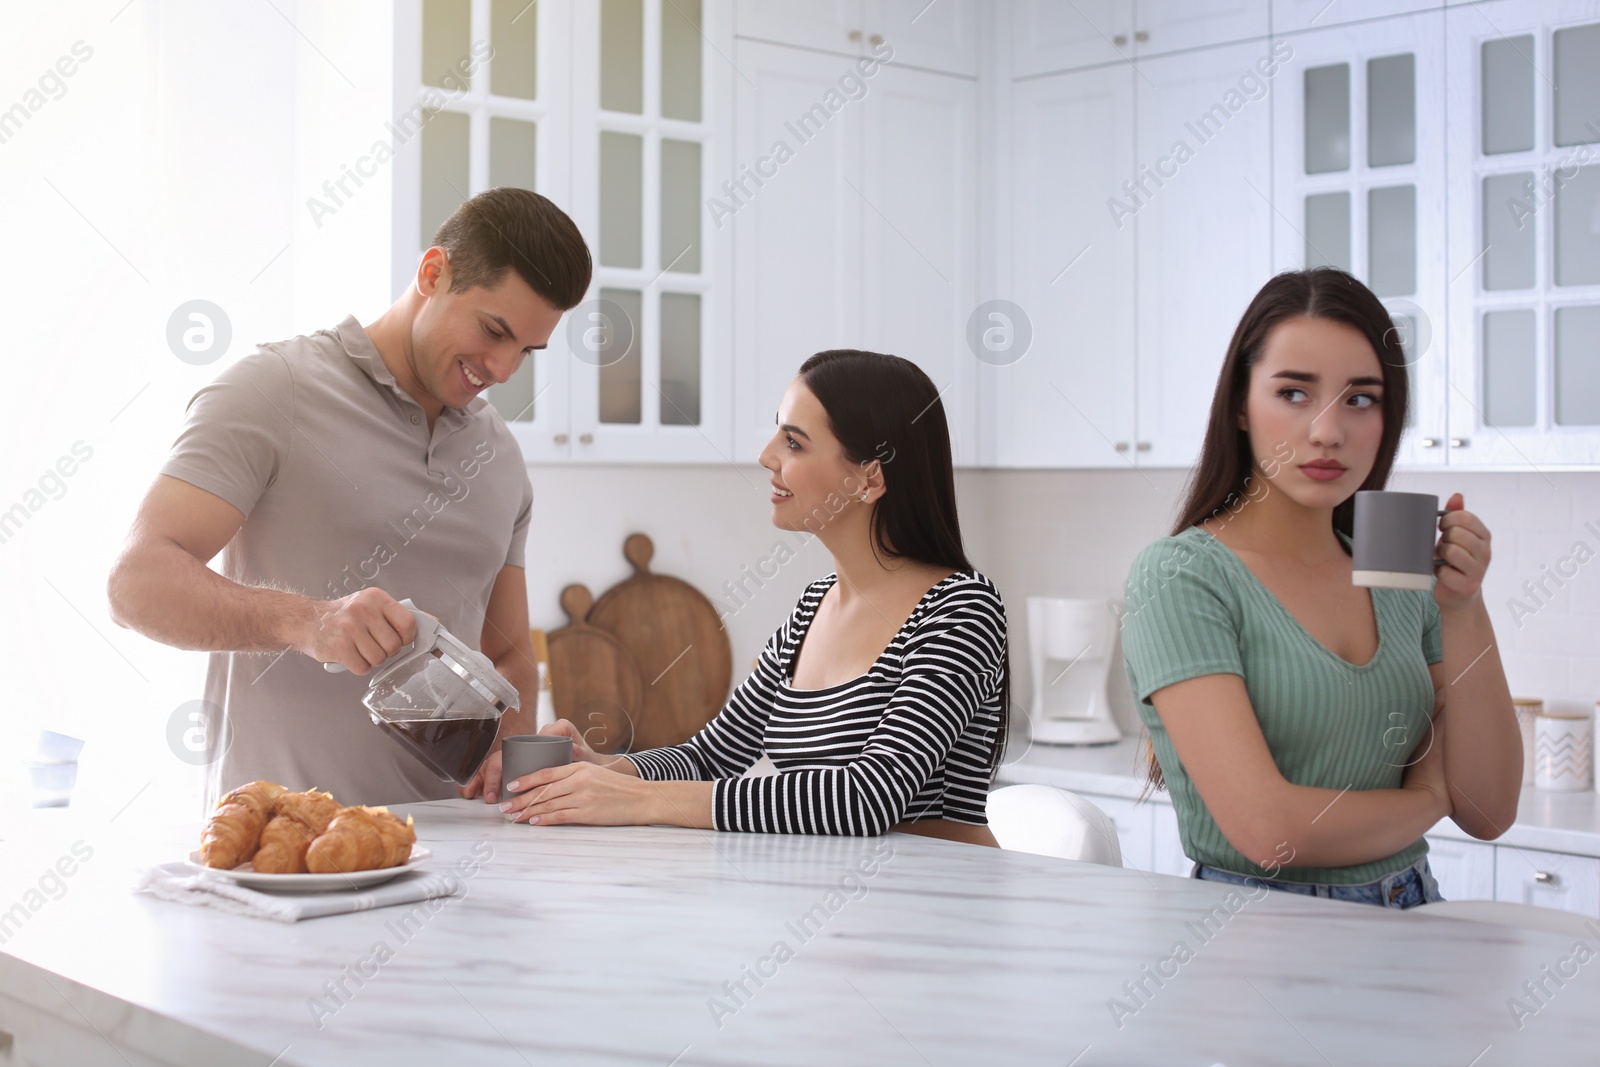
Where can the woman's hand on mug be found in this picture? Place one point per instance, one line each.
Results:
(583, 793)
(1463, 550)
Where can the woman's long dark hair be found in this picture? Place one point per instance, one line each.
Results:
(885, 408)
(1227, 463)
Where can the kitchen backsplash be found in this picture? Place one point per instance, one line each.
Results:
(1049, 533)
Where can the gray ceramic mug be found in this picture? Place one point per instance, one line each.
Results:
(522, 754)
(1394, 539)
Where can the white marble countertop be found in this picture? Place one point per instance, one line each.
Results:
(1557, 822)
(613, 945)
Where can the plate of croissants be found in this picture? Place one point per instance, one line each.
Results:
(263, 836)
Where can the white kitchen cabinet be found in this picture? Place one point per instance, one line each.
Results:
(941, 36)
(1463, 869)
(1548, 879)
(830, 25)
(621, 114)
(650, 140)
(1142, 228)
(1204, 226)
(1065, 398)
(1135, 829)
(1291, 16)
(1162, 26)
(1166, 846)
(1050, 37)
(1524, 130)
(1359, 174)
(864, 238)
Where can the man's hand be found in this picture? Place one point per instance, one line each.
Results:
(359, 631)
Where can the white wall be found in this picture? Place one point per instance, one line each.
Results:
(1046, 533)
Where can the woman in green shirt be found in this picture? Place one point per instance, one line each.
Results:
(1311, 731)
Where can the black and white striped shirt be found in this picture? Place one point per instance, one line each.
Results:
(909, 739)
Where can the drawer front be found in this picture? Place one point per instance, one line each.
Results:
(1464, 869)
(1169, 857)
(1547, 879)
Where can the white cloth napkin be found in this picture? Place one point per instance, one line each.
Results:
(180, 884)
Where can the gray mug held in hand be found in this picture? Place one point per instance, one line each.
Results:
(523, 754)
(1394, 538)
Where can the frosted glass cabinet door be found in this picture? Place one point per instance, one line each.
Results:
(1525, 250)
(649, 348)
(1359, 182)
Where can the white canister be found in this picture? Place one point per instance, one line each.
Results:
(1564, 752)
(1528, 710)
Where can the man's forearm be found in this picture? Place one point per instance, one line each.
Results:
(168, 595)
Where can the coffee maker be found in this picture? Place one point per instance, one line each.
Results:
(1071, 644)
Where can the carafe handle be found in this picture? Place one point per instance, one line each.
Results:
(427, 629)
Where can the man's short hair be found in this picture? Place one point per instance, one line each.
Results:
(516, 229)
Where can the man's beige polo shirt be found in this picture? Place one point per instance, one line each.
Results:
(343, 487)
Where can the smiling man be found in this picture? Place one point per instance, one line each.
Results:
(340, 472)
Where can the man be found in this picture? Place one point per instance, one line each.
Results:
(339, 472)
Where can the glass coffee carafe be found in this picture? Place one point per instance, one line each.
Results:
(440, 700)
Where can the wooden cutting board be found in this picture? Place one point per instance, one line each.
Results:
(676, 637)
(594, 681)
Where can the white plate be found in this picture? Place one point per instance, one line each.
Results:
(312, 883)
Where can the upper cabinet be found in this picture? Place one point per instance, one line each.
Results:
(1358, 174)
(1048, 36)
(1058, 210)
(856, 226)
(1141, 226)
(1061, 381)
(941, 36)
(617, 111)
(1524, 190)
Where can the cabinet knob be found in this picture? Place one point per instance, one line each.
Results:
(1460, 442)
(855, 35)
(1142, 36)
(1120, 39)
(1144, 446)
(561, 438)
(1428, 442)
(586, 439)
(1546, 878)
(875, 40)
(1121, 446)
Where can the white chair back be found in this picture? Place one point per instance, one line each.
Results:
(1053, 822)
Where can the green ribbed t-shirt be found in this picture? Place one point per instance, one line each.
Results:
(1193, 608)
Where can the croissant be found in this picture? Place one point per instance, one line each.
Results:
(298, 820)
(232, 833)
(361, 839)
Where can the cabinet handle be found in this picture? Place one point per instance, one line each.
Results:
(875, 40)
(1460, 442)
(1546, 878)
(1121, 446)
(1120, 39)
(561, 438)
(1429, 442)
(586, 439)
(1144, 446)
(1142, 36)
(855, 35)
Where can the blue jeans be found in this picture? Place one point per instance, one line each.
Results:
(1402, 889)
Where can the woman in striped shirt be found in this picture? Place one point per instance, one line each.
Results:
(881, 700)
(1303, 724)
